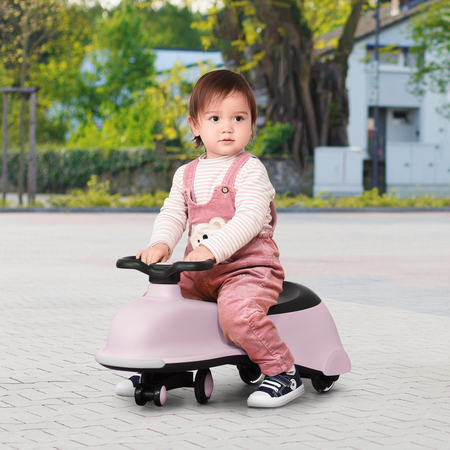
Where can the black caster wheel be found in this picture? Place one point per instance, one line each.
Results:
(160, 395)
(249, 374)
(204, 386)
(139, 395)
(322, 383)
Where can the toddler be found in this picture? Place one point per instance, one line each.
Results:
(226, 198)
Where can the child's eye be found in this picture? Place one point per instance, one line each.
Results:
(238, 118)
(214, 119)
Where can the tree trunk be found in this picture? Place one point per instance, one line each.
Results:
(328, 85)
(20, 179)
(310, 96)
(23, 71)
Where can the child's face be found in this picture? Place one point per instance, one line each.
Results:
(225, 126)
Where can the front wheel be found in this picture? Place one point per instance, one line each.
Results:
(160, 395)
(322, 383)
(204, 385)
(139, 395)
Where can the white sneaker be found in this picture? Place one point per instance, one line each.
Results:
(277, 391)
(126, 388)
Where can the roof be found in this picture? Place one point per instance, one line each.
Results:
(367, 23)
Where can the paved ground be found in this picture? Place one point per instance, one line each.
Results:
(384, 277)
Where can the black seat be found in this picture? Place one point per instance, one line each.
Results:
(294, 297)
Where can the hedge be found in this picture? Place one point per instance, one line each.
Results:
(61, 170)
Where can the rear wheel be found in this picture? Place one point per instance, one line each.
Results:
(322, 383)
(204, 385)
(249, 374)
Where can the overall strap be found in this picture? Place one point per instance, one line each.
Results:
(189, 174)
(240, 160)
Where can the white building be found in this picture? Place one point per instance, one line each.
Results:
(190, 59)
(415, 138)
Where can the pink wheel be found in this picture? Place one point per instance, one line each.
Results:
(160, 395)
(204, 386)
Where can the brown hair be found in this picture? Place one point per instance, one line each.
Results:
(215, 86)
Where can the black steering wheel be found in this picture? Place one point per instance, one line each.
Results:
(163, 273)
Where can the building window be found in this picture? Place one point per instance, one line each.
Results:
(390, 54)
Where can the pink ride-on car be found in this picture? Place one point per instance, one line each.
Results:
(166, 338)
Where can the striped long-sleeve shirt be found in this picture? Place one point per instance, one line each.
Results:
(254, 192)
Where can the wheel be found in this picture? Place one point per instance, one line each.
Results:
(249, 374)
(322, 383)
(139, 396)
(204, 385)
(160, 395)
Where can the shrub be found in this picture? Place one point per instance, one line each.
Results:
(96, 194)
(61, 170)
(270, 139)
(147, 200)
(370, 198)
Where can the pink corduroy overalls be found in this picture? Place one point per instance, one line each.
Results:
(246, 285)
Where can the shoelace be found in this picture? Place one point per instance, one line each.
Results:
(274, 385)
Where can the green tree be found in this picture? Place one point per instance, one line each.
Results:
(122, 60)
(169, 26)
(98, 66)
(158, 112)
(431, 32)
(26, 26)
(64, 96)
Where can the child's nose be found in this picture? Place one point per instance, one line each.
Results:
(227, 126)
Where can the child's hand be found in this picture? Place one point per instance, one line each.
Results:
(201, 253)
(157, 253)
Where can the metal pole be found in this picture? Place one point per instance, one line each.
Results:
(5, 146)
(32, 151)
(376, 118)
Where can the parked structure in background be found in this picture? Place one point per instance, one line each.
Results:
(31, 93)
(338, 170)
(414, 138)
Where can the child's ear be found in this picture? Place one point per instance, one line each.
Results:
(194, 129)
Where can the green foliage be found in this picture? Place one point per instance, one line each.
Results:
(65, 91)
(146, 200)
(62, 170)
(431, 32)
(271, 138)
(5, 203)
(156, 113)
(122, 59)
(96, 195)
(370, 198)
(170, 26)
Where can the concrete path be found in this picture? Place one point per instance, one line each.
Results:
(384, 277)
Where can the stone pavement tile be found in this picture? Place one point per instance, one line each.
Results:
(429, 441)
(169, 446)
(85, 438)
(31, 446)
(233, 433)
(236, 442)
(203, 440)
